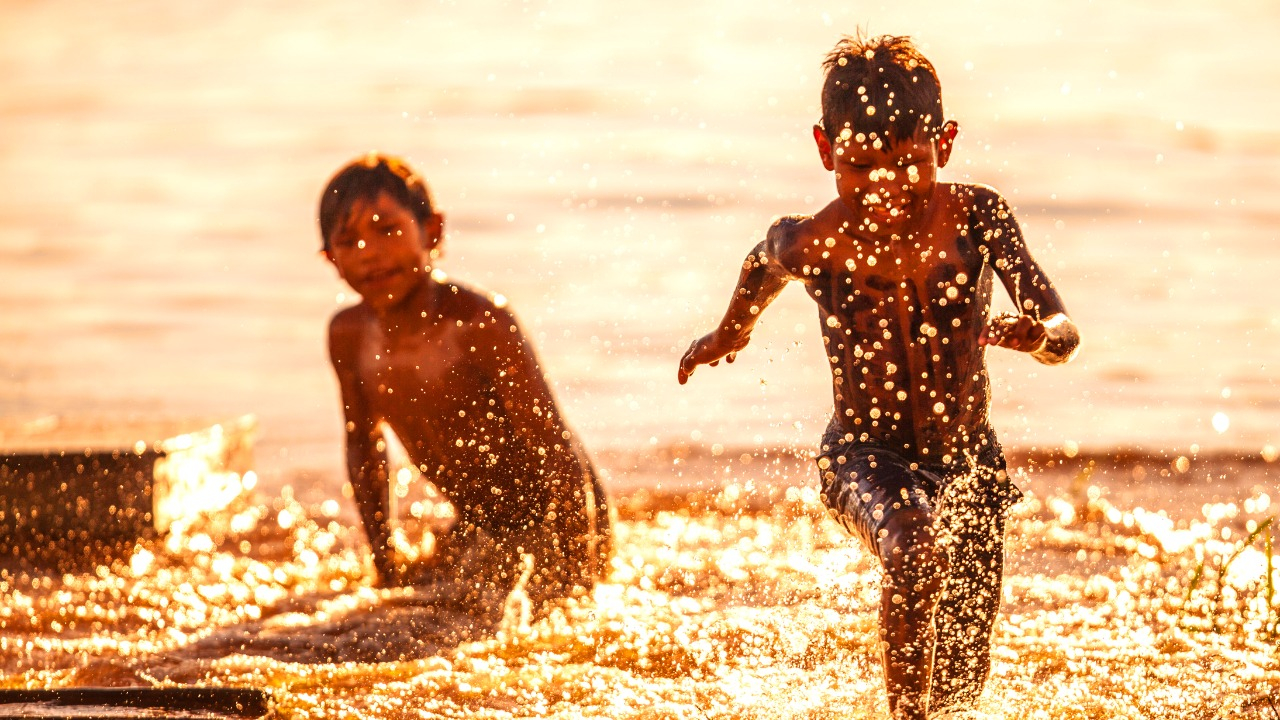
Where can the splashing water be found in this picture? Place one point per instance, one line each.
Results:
(745, 602)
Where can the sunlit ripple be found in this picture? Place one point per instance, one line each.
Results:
(712, 611)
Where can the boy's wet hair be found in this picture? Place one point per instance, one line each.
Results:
(363, 179)
(880, 85)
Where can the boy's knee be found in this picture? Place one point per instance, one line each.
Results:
(914, 561)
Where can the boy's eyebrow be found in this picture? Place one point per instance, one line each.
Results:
(346, 227)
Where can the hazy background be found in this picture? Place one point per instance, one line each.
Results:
(607, 166)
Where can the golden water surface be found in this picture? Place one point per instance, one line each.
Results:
(718, 605)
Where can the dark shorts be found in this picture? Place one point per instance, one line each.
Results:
(864, 484)
(890, 502)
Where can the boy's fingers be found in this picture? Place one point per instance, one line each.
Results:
(994, 332)
(1000, 331)
(686, 368)
(701, 352)
(1023, 331)
(683, 374)
(1015, 332)
(689, 362)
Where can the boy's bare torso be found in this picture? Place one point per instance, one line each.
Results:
(901, 320)
(435, 381)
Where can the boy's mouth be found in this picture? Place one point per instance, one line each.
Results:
(380, 276)
(883, 215)
(884, 212)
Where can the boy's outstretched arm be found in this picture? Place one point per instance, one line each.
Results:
(763, 276)
(366, 465)
(1041, 325)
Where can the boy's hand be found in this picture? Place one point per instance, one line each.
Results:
(709, 349)
(1016, 332)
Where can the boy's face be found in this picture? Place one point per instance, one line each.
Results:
(884, 186)
(382, 251)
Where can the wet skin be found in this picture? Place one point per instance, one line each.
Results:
(901, 267)
(901, 272)
(451, 373)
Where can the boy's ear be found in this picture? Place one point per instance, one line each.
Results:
(327, 254)
(947, 141)
(824, 148)
(433, 233)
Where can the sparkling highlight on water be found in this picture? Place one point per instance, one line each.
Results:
(740, 603)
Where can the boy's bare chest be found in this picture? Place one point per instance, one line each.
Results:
(419, 368)
(934, 276)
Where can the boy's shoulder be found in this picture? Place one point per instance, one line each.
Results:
(784, 228)
(451, 302)
(785, 238)
(461, 302)
(976, 197)
(349, 320)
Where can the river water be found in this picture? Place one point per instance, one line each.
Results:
(606, 168)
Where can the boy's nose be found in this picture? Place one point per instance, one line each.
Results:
(882, 179)
(892, 186)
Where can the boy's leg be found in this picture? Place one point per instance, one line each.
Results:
(878, 497)
(972, 514)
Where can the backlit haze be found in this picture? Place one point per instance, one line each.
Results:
(606, 166)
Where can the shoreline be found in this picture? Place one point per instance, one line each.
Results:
(1179, 481)
(1176, 482)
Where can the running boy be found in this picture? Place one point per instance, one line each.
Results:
(449, 371)
(901, 268)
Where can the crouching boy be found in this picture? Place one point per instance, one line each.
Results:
(450, 372)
